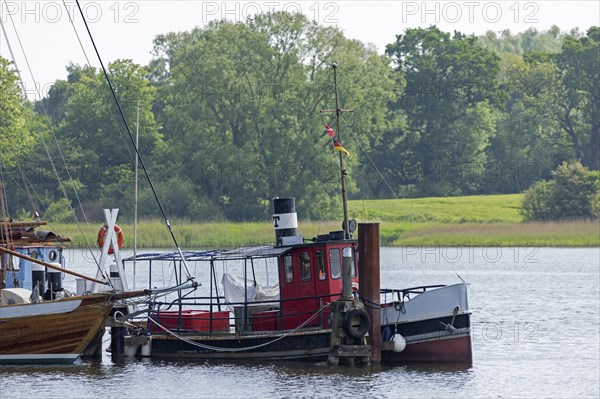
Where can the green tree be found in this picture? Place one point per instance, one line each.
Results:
(529, 141)
(92, 134)
(21, 131)
(451, 92)
(17, 122)
(240, 106)
(579, 63)
(536, 203)
(531, 40)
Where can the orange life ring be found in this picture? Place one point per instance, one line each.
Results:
(120, 237)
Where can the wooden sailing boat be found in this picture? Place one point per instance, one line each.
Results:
(50, 325)
(39, 325)
(56, 331)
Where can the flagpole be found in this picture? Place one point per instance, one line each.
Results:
(343, 172)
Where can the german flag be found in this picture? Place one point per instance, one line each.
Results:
(337, 146)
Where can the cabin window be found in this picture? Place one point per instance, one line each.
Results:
(321, 272)
(289, 271)
(305, 266)
(334, 263)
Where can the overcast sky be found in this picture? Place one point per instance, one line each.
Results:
(125, 29)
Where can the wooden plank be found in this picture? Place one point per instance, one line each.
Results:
(369, 277)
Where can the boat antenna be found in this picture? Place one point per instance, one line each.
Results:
(132, 138)
(343, 172)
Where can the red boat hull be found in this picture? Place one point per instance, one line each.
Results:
(443, 350)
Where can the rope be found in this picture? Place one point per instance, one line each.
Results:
(5, 233)
(26, 188)
(47, 150)
(137, 151)
(112, 115)
(373, 163)
(370, 304)
(220, 349)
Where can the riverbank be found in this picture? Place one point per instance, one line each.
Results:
(153, 234)
(491, 220)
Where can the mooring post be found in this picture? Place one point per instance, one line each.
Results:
(117, 341)
(369, 277)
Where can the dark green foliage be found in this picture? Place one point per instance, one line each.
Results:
(230, 117)
(571, 194)
(242, 110)
(579, 63)
(451, 91)
(536, 204)
(17, 122)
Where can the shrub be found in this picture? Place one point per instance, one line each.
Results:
(536, 204)
(571, 194)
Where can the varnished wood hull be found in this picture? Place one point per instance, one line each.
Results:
(51, 332)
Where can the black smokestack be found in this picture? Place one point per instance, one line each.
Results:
(285, 220)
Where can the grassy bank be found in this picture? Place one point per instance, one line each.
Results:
(475, 220)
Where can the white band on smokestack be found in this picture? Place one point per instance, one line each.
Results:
(285, 221)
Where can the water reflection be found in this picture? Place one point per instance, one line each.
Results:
(535, 331)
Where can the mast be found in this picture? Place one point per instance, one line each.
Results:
(135, 201)
(343, 172)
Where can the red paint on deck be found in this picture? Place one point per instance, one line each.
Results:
(193, 320)
(268, 320)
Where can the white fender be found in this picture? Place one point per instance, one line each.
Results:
(399, 343)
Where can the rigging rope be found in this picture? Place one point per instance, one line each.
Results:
(77, 34)
(4, 206)
(112, 115)
(372, 163)
(47, 150)
(18, 185)
(26, 188)
(132, 138)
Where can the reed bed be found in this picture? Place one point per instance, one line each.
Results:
(549, 234)
(472, 220)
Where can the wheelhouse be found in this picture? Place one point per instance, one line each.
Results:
(310, 278)
(244, 297)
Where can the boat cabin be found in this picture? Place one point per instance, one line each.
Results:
(310, 278)
(40, 245)
(241, 287)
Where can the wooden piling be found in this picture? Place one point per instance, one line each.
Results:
(369, 278)
(117, 341)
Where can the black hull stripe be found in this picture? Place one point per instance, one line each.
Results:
(305, 346)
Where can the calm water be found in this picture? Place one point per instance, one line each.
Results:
(535, 334)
